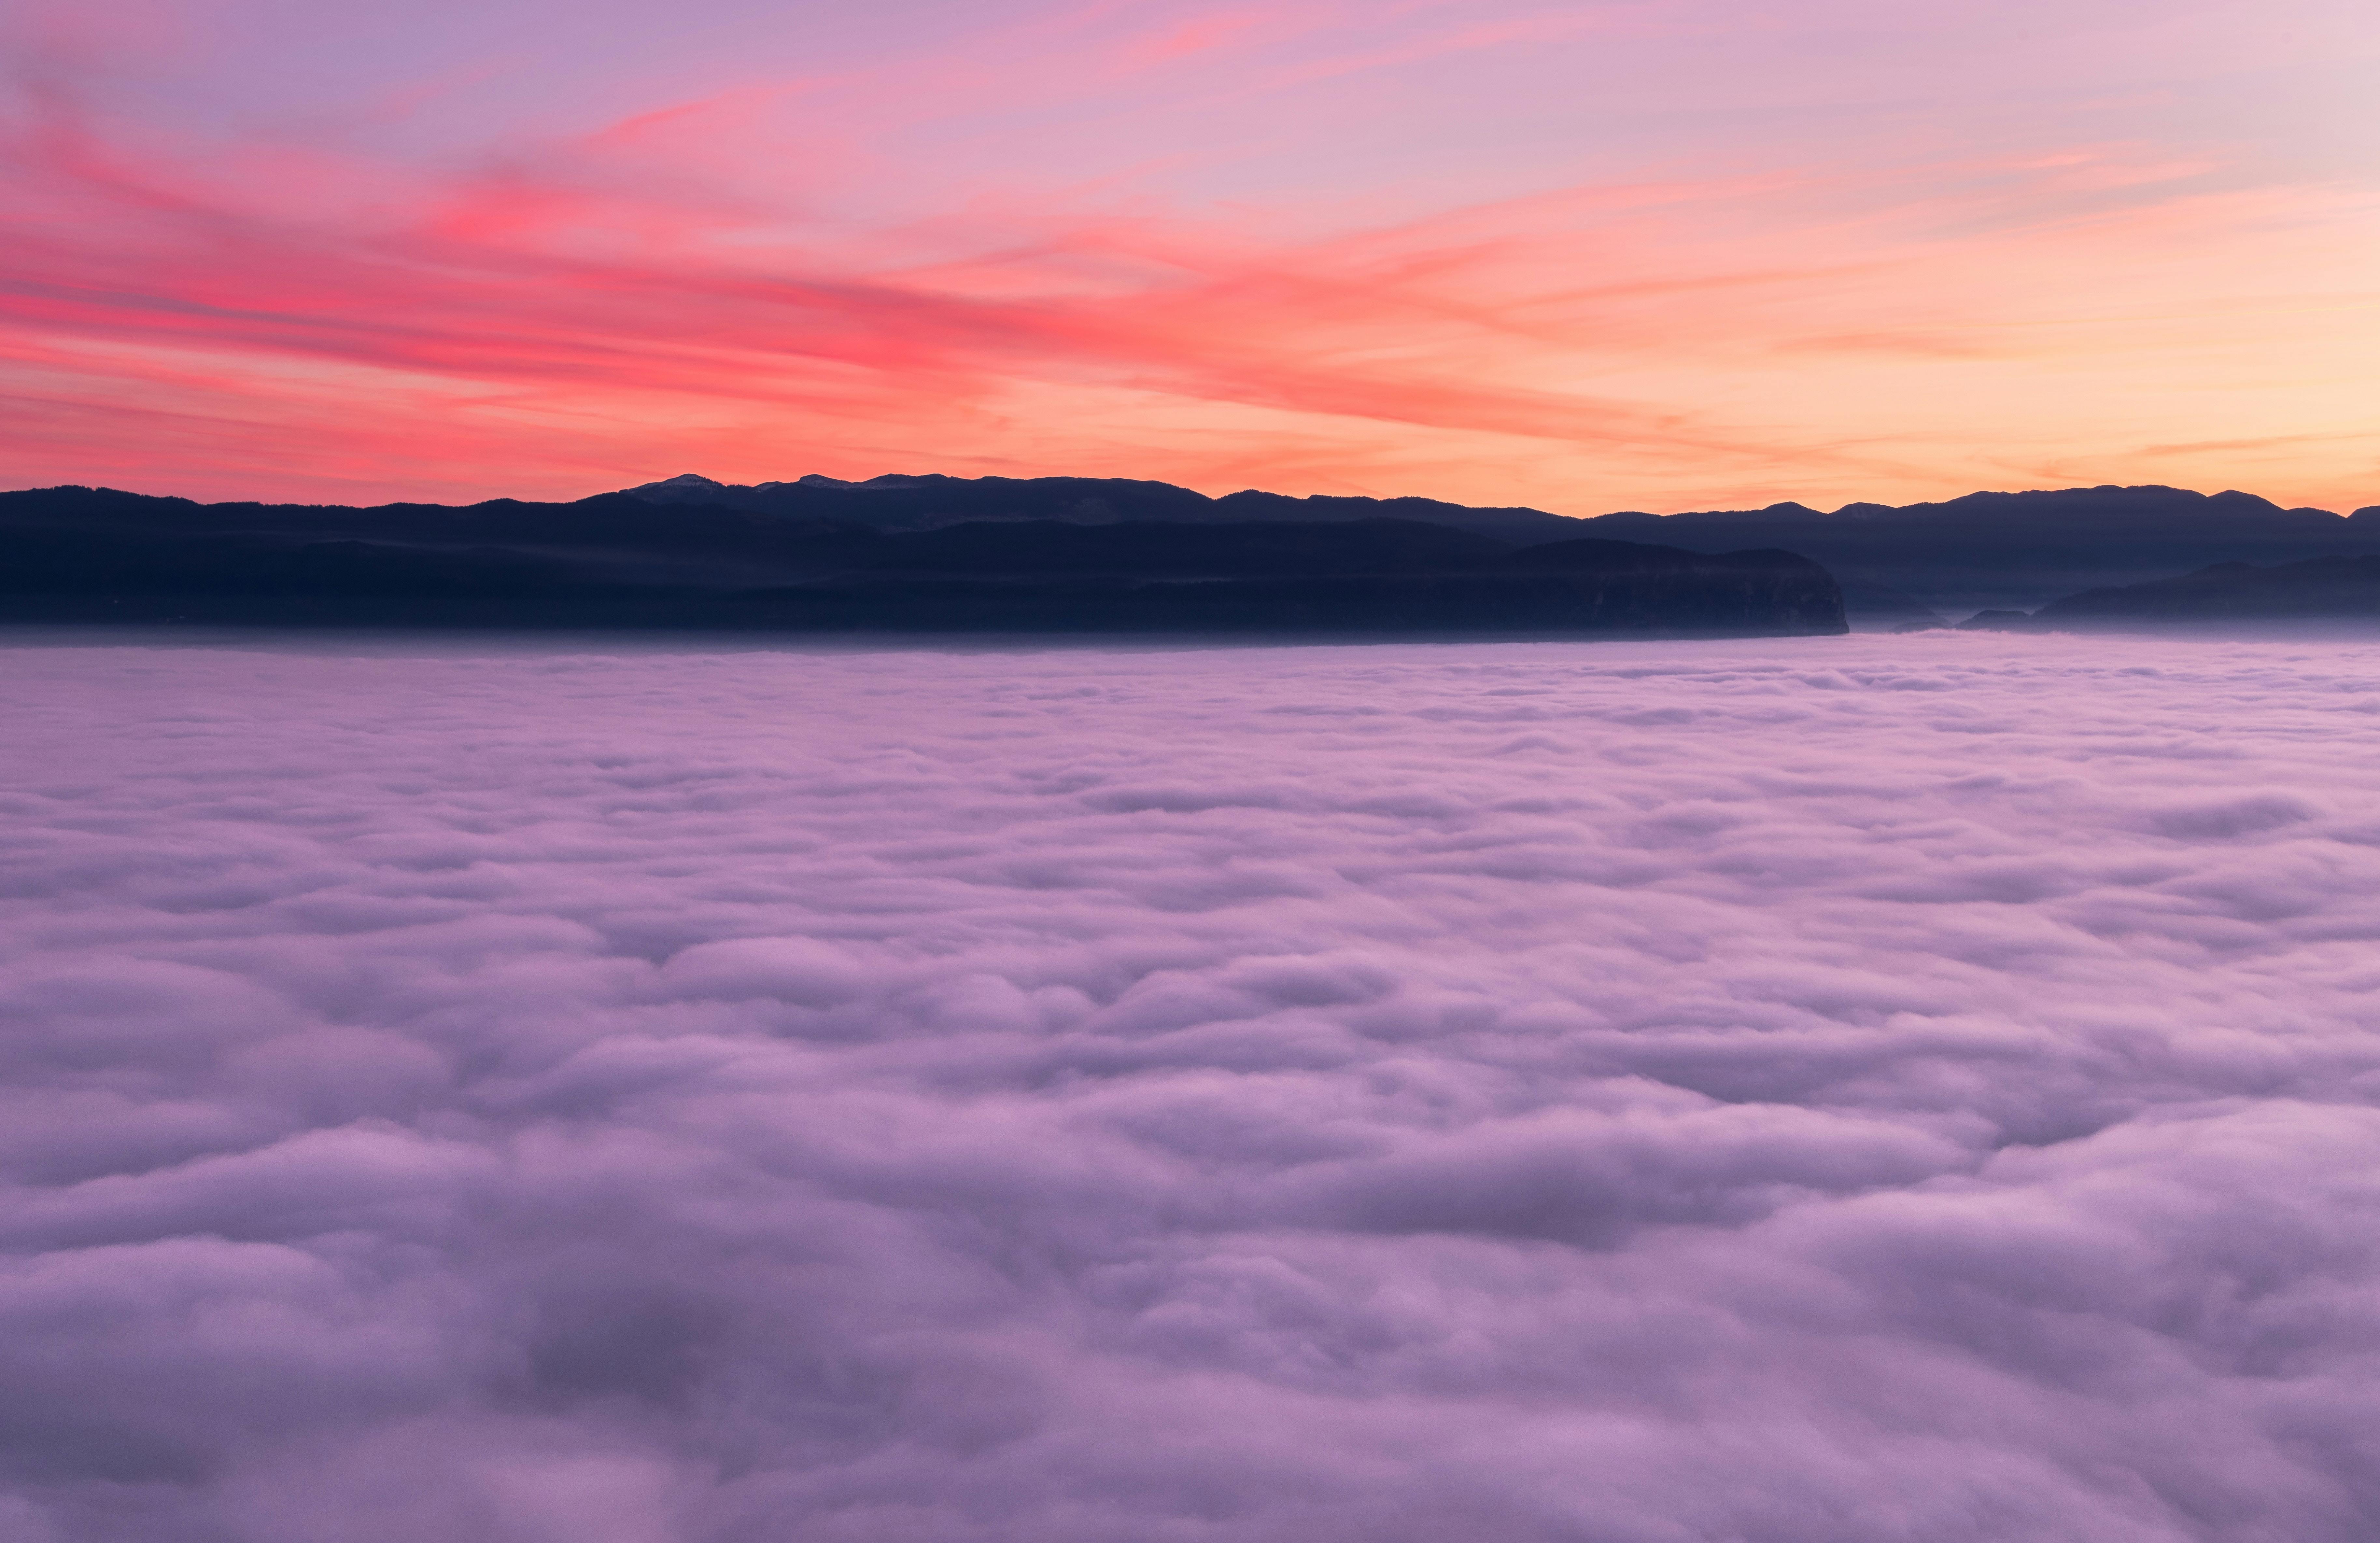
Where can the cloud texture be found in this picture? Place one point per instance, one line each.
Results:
(1833, 1091)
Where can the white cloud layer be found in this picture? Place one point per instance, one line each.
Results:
(1848, 1090)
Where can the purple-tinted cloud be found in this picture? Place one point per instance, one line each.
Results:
(1851, 1090)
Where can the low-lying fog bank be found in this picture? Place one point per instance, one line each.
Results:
(1829, 1091)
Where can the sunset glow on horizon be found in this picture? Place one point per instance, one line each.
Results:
(1062, 1012)
(1679, 255)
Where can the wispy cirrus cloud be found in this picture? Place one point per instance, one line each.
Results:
(767, 274)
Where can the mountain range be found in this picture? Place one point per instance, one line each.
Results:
(82, 555)
(1896, 565)
(928, 552)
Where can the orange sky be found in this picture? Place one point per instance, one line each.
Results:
(1586, 258)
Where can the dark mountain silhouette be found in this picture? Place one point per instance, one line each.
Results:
(2319, 590)
(925, 502)
(1166, 550)
(2018, 550)
(1898, 566)
(669, 546)
(74, 554)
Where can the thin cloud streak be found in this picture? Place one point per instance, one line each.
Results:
(734, 279)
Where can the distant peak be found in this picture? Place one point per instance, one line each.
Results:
(819, 479)
(2235, 497)
(686, 479)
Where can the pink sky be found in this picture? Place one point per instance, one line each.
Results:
(1665, 255)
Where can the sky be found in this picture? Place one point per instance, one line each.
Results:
(1823, 1090)
(1669, 255)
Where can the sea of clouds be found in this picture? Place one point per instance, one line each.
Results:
(1824, 1091)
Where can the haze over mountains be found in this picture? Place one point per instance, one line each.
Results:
(2317, 590)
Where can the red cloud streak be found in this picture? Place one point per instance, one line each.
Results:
(249, 318)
